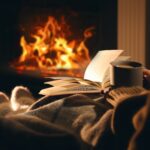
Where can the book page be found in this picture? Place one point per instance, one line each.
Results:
(71, 86)
(99, 65)
(72, 90)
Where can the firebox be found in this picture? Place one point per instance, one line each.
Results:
(54, 37)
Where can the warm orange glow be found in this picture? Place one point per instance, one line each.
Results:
(52, 51)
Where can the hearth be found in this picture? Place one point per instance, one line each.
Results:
(81, 27)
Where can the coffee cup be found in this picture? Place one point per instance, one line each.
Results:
(126, 73)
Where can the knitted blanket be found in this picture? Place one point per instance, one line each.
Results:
(117, 120)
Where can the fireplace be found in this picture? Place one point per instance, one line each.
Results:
(52, 48)
(92, 24)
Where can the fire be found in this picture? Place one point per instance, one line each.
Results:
(52, 52)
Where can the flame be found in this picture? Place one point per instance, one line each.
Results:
(52, 51)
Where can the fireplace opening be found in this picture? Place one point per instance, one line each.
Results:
(53, 48)
(83, 28)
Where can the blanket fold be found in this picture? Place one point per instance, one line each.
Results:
(75, 122)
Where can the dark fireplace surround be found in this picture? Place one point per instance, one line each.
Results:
(16, 15)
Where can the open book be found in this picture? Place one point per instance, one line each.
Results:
(96, 77)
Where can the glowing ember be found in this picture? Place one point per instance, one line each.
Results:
(52, 52)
